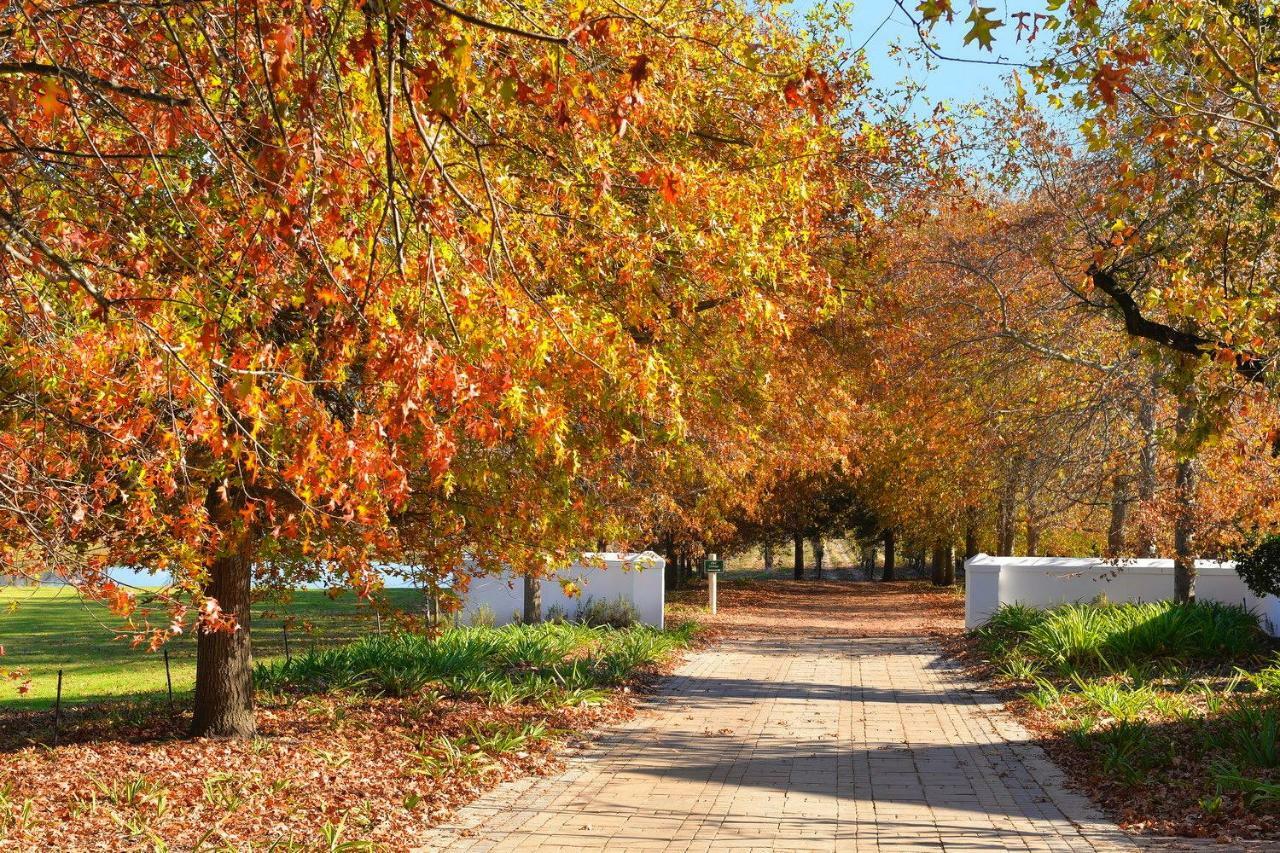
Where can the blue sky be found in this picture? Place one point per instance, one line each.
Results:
(881, 23)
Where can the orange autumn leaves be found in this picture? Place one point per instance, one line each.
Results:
(396, 282)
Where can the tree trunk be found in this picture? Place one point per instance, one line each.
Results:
(1006, 514)
(1119, 512)
(1032, 517)
(1184, 557)
(532, 600)
(971, 544)
(224, 660)
(768, 556)
(673, 563)
(939, 568)
(1033, 537)
(1002, 518)
(1148, 461)
(889, 556)
(1007, 511)
(799, 567)
(819, 552)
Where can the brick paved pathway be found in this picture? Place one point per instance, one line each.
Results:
(812, 743)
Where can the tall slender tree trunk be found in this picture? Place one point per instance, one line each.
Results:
(224, 659)
(971, 544)
(1006, 513)
(889, 555)
(1187, 476)
(673, 562)
(1119, 513)
(1033, 519)
(940, 567)
(819, 553)
(1033, 536)
(532, 600)
(799, 567)
(1148, 461)
(768, 555)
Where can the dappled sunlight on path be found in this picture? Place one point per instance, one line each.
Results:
(811, 741)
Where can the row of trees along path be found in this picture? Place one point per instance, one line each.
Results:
(290, 290)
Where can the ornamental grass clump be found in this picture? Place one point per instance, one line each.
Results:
(1104, 638)
(551, 664)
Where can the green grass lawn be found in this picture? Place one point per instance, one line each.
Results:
(45, 629)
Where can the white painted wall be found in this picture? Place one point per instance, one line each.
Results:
(638, 578)
(1047, 581)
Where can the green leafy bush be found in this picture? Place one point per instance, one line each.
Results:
(1258, 793)
(1259, 567)
(1126, 749)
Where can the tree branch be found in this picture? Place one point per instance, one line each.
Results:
(1141, 327)
(1251, 367)
(496, 27)
(86, 79)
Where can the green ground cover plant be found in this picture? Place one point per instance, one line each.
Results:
(44, 629)
(551, 663)
(1169, 714)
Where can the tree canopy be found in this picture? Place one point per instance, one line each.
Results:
(297, 290)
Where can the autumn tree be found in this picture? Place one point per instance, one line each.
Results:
(313, 286)
(1176, 109)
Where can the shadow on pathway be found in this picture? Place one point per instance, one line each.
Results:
(800, 739)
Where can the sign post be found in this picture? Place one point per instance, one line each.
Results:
(714, 567)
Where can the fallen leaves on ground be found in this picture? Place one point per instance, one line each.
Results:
(834, 607)
(323, 770)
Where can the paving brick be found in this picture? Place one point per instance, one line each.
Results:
(832, 744)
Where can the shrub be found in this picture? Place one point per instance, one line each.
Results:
(1126, 749)
(1008, 627)
(1259, 567)
(1122, 702)
(1115, 637)
(613, 613)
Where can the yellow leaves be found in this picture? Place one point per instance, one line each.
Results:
(1020, 91)
(514, 400)
(934, 10)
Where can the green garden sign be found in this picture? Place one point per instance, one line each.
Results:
(714, 566)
